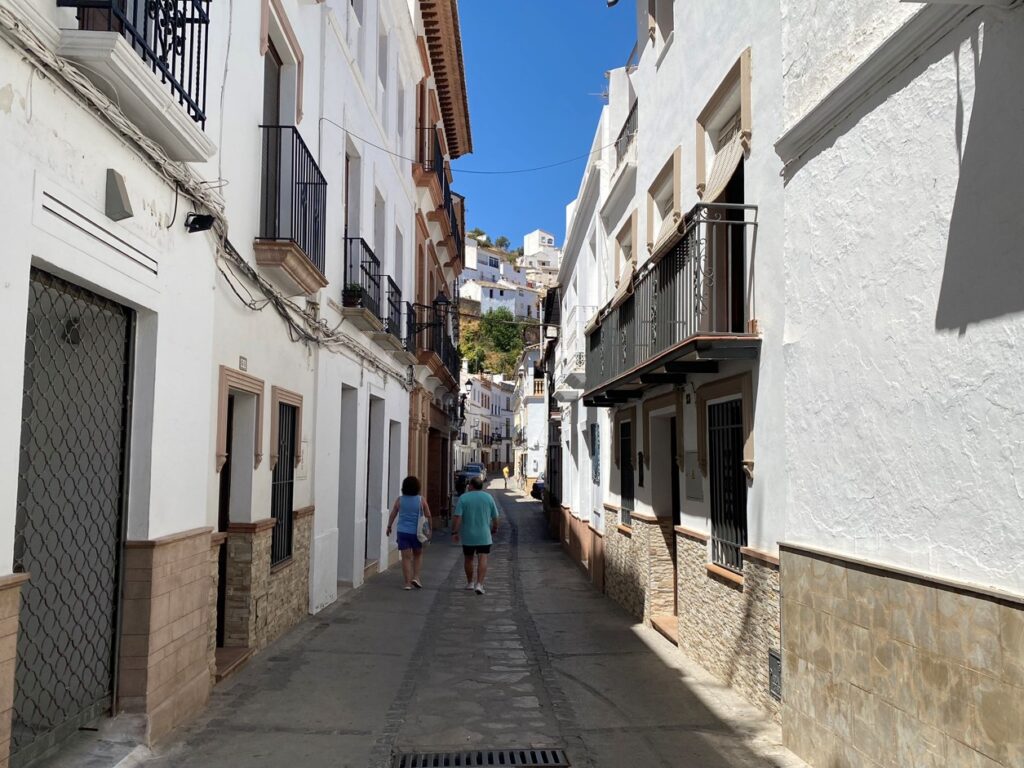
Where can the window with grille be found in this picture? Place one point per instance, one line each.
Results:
(626, 488)
(283, 485)
(728, 484)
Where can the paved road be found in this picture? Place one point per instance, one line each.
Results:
(540, 660)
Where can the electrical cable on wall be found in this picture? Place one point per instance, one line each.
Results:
(67, 77)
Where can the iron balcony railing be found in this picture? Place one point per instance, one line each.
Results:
(433, 336)
(169, 35)
(626, 135)
(393, 318)
(701, 285)
(293, 195)
(409, 339)
(362, 276)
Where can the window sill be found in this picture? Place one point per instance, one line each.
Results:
(664, 48)
(278, 567)
(625, 530)
(725, 574)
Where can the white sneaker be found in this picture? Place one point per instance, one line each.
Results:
(471, 585)
(479, 589)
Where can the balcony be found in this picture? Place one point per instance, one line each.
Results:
(434, 345)
(690, 307)
(361, 296)
(430, 171)
(293, 209)
(150, 58)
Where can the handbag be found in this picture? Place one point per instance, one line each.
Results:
(423, 529)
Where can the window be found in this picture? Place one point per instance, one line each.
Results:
(724, 131)
(660, 22)
(493, 262)
(626, 470)
(728, 483)
(286, 454)
(663, 212)
(595, 454)
(400, 119)
(399, 258)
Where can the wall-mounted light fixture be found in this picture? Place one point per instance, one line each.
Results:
(198, 222)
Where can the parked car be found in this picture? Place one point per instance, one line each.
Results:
(475, 468)
(538, 488)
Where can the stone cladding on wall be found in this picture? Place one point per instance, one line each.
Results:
(728, 628)
(262, 601)
(163, 667)
(10, 610)
(884, 668)
(626, 562)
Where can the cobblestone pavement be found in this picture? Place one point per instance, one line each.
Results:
(540, 660)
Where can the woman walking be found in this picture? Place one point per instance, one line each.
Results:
(407, 508)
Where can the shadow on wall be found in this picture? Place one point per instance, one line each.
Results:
(984, 273)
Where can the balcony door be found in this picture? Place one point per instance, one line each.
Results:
(270, 194)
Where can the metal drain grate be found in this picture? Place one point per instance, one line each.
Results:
(529, 758)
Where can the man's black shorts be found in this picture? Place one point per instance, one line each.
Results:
(483, 549)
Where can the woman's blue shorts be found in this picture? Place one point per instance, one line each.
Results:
(409, 541)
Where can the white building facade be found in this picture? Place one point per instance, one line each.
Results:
(756, 458)
(219, 277)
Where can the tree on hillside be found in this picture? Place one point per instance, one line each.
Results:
(502, 242)
(479, 235)
(492, 343)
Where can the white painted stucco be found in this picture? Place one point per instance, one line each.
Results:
(905, 298)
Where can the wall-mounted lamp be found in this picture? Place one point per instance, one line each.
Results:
(198, 222)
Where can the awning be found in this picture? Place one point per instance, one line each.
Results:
(592, 323)
(625, 288)
(726, 162)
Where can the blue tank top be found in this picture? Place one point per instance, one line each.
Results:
(408, 513)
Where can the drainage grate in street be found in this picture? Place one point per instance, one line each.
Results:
(528, 758)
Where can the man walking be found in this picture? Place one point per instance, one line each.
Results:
(475, 522)
(504, 471)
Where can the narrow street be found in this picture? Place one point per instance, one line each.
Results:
(540, 660)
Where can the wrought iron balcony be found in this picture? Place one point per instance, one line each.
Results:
(433, 336)
(409, 339)
(362, 276)
(698, 292)
(624, 141)
(293, 195)
(393, 318)
(170, 36)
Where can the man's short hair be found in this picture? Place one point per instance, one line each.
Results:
(476, 483)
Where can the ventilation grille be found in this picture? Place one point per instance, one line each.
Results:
(528, 758)
(775, 674)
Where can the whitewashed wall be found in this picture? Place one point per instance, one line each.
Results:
(905, 297)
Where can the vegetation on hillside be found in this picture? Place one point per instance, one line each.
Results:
(492, 343)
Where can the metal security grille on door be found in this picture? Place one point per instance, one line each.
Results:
(68, 530)
(283, 486)
(728, 484)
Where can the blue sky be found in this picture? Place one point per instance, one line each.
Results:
(535, 69)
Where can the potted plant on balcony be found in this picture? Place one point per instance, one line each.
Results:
(352, 295)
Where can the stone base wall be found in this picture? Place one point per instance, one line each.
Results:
(884, 668)
(10, 609)
(288, 598)
(726, 626)
(659, 598)
(625, 563)
(263, 602)
(163, 666)
(217, 541)
(583, 544)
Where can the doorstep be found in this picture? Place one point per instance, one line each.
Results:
(230, 660)
(667, 625)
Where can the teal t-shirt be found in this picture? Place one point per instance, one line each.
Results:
(477, 509)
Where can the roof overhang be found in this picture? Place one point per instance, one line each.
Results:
(698, 354)
(444, 44)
